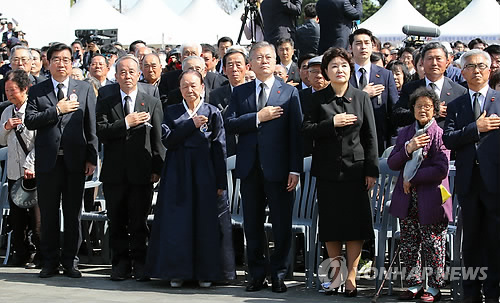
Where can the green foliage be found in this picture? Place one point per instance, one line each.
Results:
(439, 12)
(369, 8)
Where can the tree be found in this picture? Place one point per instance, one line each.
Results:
(439, 12)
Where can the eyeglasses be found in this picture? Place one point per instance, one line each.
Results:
(22, 59)
(58, 60)
(480, 66)
(425, 107)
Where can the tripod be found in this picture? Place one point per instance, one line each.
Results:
(252, 12)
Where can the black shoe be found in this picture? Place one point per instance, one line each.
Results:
(279, 286)
(48, 272)
(351, 293)
(72, 272)
(139, 274)
(120, 273)
(256, 285)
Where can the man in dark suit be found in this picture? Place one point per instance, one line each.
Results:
(280, 19)
(266, 115)
(434, 58)
(285, 52)
(9, 33)
(151, 69)
(210, 80)
(336, 20)
(99, 68)
(472, 130)
(307, 36)
(235, 66)
(114, 88)
(223, 44)
(62, 110)
(377, 82)
(129, 125)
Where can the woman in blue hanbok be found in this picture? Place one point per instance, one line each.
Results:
(186, 237)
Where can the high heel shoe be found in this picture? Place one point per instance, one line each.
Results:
(351, 293)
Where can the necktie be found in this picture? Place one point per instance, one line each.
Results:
(362, 78)
(262, 96)
(126, 110)
(60, 93)
(434, 87)
(477, 106)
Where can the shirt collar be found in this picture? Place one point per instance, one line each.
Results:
(439, 83)
(367, 67)
(483, 91)
(55, 83)
(288, 66)
(22, 109)
(132, 95)
(194, 111)
(269, 82)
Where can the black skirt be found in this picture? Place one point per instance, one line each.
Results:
(344, 211)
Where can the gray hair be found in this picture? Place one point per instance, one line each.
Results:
(474, 52)
(200, 59)
(186, 45)
(131, 57)
(259, 45)
(18, 47)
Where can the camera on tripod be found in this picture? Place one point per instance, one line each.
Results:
(97, 36)
(414, 35)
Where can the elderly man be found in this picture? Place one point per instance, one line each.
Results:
(472, 131)
(99, 69)
(142, 51)
(151, 69)
(318, 82)
(129, 125)
(435, 59)
(235, 65)
(266, 115)
(135, 45)
(377, 82)
(36, 65)
(62, 110)
(303, 71)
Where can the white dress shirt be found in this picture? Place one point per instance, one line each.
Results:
(367, 67)
(131, 103)
(439, 85)
(65, 87)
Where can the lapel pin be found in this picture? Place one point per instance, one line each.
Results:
(448, 94)
(492, 99)
(350, 99)
(73, 97)
(279, 92)
(377, 75)
(142, 103)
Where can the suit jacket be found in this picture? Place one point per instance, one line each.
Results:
(454, 74)
(305, 102)
(220, 98)
(342, 153)
(74, 133)
(307, 37)
(131, 155)
(280, 19)
(461, 135)
(293, 73)
(335, 19)
(276, 143)
(402, 115)
(114, 88)
(383, 104)
(432, 172)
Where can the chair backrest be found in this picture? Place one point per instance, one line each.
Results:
(382, 191)
(452, 172)
(233, 190)
(305, 206)
(4, 192)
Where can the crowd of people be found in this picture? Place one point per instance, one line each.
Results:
(172, 116)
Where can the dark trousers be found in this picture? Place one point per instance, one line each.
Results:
(22, 220)
(128, 208)
(256, 193)
(480, 246)
(50, 187)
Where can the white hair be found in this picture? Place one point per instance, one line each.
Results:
(128, 56)
(18, 47)
(199, 59)
(474, 52)
(186, 45)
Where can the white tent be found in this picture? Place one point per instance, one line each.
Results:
(98, 14)
(39, 31)
(209, 22)
(388, 21)
(163, 25)
(481, 18)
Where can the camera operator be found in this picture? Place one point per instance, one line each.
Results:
(280, 18)
(9, 33)
(77, 53)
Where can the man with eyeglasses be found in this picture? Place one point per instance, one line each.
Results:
(20, 58)
(62, 110)
(435, 60)
(472, 131)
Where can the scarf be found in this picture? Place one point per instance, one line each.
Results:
(413, 164)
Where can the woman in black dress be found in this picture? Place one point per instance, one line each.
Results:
(344, 161)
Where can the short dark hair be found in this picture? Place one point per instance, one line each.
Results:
(457, 43)
(387, 44)
(109, 49)
(332, 53)
(192, 71)
(224, 39)
(304, 58)
(494, 79)
(408, 49)
(474, 42)
(360, 31)
(310, 10)
(209, 48)
(396, 65)
(376, 56)
(493, 49)
(20, 77)
(433, 45)
(131, 47)
(231, 51)
(45, 48)
(100, 55)
(285, 40)
(427, 93)
(57, 47)
(376, 42)
(77, 42)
